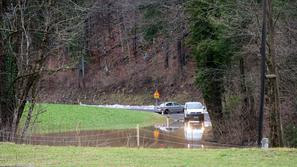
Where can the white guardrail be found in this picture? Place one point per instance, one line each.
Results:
(130, 107)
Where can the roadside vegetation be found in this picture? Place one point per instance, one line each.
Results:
(12, 154)
(225, 39)
(63, 118)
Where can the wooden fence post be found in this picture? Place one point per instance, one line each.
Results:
(137, 130)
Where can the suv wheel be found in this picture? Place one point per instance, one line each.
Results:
(166, 111)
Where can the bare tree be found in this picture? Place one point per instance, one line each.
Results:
(276, 132)
(33, 31)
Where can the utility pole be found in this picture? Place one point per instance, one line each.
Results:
(263, 66)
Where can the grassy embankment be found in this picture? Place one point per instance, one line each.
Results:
(12, 154)
(62, 118)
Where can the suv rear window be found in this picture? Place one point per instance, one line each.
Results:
(169, 104)
(194, 106)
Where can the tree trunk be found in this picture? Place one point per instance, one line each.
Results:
(214, 109)
(135, 36)
(1, 65)
(181, 52)
(166, 54)
(29, 116)
(81, 73)
(6, 74)
(180, 55)
(276, 136)
(213, 101)
(248, 116)
(1, 83)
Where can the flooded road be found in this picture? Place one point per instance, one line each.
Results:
(173, 133)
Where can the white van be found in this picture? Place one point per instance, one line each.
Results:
(194, 110)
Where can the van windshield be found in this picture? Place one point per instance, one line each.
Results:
(194, 106)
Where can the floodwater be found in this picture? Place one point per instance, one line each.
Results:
(173, 133)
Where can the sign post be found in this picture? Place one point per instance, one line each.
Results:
(157, 96)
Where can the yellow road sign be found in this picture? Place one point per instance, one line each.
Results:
(157, 94)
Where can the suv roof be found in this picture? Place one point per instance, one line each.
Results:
(193, 102)
(170, 102)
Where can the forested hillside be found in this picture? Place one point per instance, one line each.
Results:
(130, 49)
(120, 51)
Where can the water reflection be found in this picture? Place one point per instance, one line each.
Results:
(174, 133)
(190, 132)
(193, 130)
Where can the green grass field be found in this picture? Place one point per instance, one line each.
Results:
(17, 155)
(62, 118)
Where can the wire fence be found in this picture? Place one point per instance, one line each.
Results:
(147, 138)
